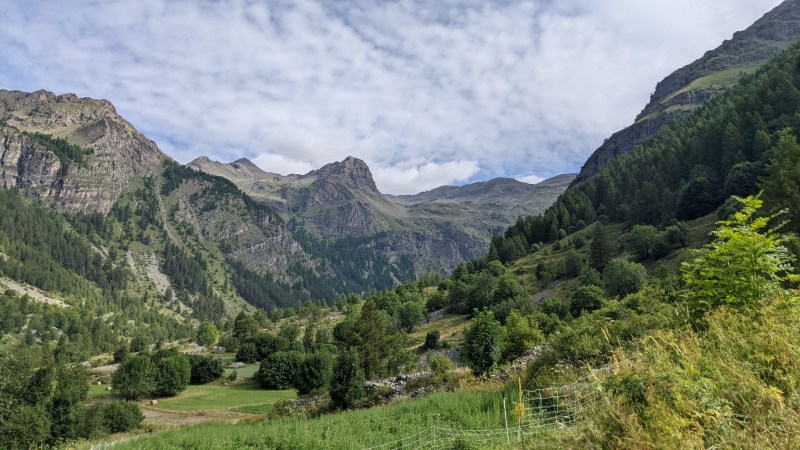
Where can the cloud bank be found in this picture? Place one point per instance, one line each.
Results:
(428, 93)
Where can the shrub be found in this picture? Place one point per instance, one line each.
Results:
(621, 277)
(315, 372)
(247, 353)
(135, 377)
(120, 416)
(173, 374)
(281, 370)
(347, 382)
(207, 334)
(483, 342)
(431, 340)
(440, 365)
(205, 369)
(121, 354)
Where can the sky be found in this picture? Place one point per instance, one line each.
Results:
(428, 93)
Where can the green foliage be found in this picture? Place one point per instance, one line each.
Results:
(622, 278)
(371, 337)
(262, 290)
(25, 427)
(573, 264)
(173, 372)
(732, 385)
(72, 386)
(289, 331)
(121, 353)
(207, 334)
(205, 369)
(139, 343)
(410, 314)
(483, 343)
(440, 365)
(280, 370)
(135, 378)
(244, 326)
(586, 299)
(431, 340)
(315, 372)
(247, 353)
(641, 240)
(782, 183)
(119, 417)
(347, 380)
(600, 248)
(521, 335)
(744, 264)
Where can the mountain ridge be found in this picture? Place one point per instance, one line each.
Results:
(694, 84)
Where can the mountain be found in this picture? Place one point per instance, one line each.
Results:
(192, 243)
(684, 90)
(113, 151)
(433, 230)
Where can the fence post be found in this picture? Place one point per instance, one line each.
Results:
(505, 418)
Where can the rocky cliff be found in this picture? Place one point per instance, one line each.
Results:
(690, 86)
(113, 150)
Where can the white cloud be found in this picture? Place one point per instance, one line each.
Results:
(530, 179)
(281, 164)
(512, 87)
(410, 176)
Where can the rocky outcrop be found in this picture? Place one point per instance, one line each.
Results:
(696, 83)
(114, 151)
(27, 166)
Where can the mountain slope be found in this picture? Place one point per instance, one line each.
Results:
(435, 230)
(694, 84)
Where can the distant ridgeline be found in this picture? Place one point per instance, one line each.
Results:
(688, 169)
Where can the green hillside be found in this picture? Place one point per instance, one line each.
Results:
(667, 344)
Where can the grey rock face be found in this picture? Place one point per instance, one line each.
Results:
(114, 150)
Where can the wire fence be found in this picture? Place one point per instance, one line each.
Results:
(543, 411)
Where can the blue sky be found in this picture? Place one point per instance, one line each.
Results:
(428, 93)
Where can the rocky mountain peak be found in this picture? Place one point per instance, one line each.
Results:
(45, 110)
(351, 171)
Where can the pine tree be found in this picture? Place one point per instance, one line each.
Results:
(600, 249)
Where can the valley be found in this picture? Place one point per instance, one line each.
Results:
(650, 299)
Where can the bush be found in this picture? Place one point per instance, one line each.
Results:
(621, 277)
(440, 365)
(119, 416)
(483, 343)
(586, 299)
(139, 343)
(347, 382)
(431, 340)
(207, 334)
(315, 372)
(281, 370)
(247, 353)
(135, 377)
(173, 374)
(205, 369)
(121, 354)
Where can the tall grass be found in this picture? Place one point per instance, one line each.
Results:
(345, 430)
(732, 385)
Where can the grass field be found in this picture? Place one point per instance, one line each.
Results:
(346, 430)
(97, 392)
(246, 398)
